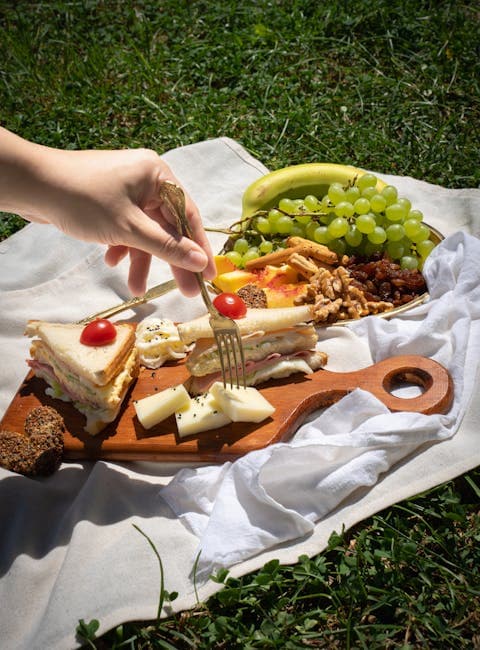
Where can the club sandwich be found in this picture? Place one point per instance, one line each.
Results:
(277, 343)
(95, 378)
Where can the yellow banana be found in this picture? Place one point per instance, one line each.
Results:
(295, 182)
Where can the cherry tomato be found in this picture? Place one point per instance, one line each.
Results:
(230, 305)
(98, 332)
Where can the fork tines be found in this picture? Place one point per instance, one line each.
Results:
(232, 362)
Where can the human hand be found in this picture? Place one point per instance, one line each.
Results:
(112, 197)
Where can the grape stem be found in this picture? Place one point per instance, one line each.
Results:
(241, 227)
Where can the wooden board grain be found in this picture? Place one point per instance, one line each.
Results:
(294, 399)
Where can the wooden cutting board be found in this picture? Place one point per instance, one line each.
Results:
(294, 399)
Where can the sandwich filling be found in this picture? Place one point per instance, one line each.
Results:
(268, 355)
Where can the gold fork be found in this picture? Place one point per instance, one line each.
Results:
(225, 330)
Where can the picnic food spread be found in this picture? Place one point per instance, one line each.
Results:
(293, 262)
(328, 235)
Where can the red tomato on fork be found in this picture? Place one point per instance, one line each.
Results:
(99, 332)
(230, 305)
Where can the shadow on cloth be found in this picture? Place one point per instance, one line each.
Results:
(39, 515)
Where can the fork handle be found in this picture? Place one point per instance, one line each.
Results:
(175, 197)
(205, 295)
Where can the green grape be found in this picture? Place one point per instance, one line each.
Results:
(336, 193)
(262, 225)
(415, 214)
(362, 205)
(337, 228)
(352, 194)
(369, 192)
(234, 257)
(303, 218)
(299, 205)
(379, 218)
(395, 212)
(321, 235)
(367, 180)
(365, 223)
(395, 249)
(407, 243)
(353, 237)
(266, 246)
(273, 217)
(422, 233)
(425, 247)
(378, 236)
(344, 209)
(325, 204)
(311, 203)
(395, 232)
(378, 203)
(298, 230)
(411, 227)
(241, 245)
(284, 225)
(389, 193)
(370, 248)
(251, 254)
(409, 262)
(338, 246)
(406, 204)
(310, 230)
(287, 205)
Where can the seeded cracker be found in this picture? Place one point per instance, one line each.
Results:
(37, 452)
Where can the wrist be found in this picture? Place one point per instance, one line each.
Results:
(24, 175)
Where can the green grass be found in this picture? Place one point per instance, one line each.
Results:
(391, 85)
(408, 577)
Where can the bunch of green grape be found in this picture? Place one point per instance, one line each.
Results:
(353, 220)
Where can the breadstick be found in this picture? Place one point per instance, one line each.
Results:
(309, 248)
(274, 259)
(303, 265)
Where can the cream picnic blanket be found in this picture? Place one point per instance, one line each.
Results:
(68, 546)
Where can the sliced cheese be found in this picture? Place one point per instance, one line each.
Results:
(242, 404)
(201, 413)
(153, 409)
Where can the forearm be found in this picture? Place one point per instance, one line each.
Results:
(24, 171)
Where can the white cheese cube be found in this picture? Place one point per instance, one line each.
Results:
(202, 413)
(242, 404)
(157, 407)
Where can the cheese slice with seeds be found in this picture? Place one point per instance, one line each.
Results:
(242, 404)
(202, 413)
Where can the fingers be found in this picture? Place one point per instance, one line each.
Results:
(186, 282)
(138, 272)
(115, 254)
(149, 235)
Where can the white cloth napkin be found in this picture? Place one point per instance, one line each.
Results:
(68, 549)
(278, 493)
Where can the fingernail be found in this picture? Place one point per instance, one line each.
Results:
(196, 260)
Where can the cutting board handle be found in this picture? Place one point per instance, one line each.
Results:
(381, 378)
